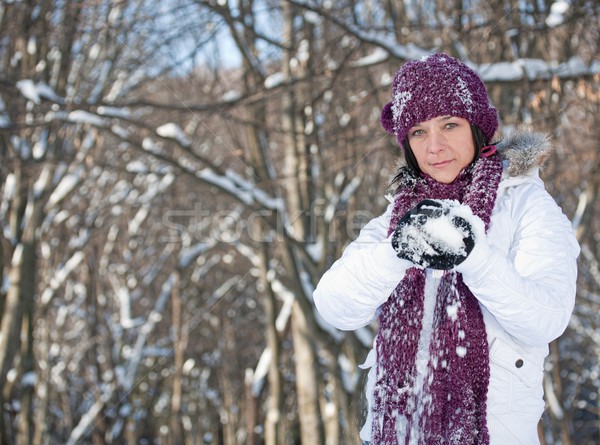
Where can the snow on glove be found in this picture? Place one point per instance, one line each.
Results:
(431, 236)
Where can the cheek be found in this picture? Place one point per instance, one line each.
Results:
(421, 159)
(466, 150)
(470, 154)
(418, 151)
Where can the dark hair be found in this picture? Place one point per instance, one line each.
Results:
(479, 140)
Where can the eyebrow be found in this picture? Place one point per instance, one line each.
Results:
(440, 118)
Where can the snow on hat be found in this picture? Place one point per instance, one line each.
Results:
(437, 85)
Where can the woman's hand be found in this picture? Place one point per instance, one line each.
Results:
(436, 234)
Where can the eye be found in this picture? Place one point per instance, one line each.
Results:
(417, 132)
(450, 125)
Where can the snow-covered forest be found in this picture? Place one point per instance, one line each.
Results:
(176, 176)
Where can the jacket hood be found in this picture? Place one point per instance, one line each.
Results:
(523, 150)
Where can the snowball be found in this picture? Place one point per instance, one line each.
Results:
(443, 232)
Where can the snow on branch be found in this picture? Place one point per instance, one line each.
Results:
(278, 288)
(534, 69)
(189, 254)
(593, 262)
(274, 80)
(283, 293)
(173, 131)
(557, 13)
(552, 399)
(583, 329)
(61, 275)
(582, 207)
(4, 117)
(386, 46)
(243, 189)
(288, 297)
(123, 300)
(90, 416)
(261, 371)
(223, 290)
(64, 188)
(120, 112)
(136, 222)
(85, 117)
(343, 197)
(350, 188)
(386, 41)
(530, 69)
(349, 373)
(128, 380)
(36, 91)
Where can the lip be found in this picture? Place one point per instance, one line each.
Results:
(441, 164)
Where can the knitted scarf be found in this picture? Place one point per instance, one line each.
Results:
(449, 406)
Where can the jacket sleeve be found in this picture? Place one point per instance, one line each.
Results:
(349, 293)
(530, 287)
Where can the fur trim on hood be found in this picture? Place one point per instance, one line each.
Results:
(523, 150)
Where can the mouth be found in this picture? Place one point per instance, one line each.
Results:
(441, 164)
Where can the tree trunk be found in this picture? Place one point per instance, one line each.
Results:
(228, 395)
(43, 385)
(306, 379)
(565, 422)
(18, 298)
(251, 411)
(306, 375)
(27, 371)
(273, 422)
(176, 432)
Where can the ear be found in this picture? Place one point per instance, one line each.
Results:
(387, 118)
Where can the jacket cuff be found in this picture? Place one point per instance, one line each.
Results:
(478, 262)
(386, 263)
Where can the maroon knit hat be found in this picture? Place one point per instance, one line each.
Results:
(437, 85)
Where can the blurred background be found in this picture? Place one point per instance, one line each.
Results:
(176, 176)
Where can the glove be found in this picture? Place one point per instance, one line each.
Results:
(430, 235)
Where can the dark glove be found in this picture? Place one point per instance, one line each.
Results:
(417, 241)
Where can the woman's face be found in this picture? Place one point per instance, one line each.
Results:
(442, 146)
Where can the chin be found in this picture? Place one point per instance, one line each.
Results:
(444, 179)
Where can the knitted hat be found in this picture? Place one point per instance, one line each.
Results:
(437, 85)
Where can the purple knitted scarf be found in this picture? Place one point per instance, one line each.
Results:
(449, 407)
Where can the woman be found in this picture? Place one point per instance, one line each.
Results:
(470, 272)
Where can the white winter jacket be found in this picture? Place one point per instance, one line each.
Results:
(524, 278)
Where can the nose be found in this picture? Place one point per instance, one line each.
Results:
(437, 142)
